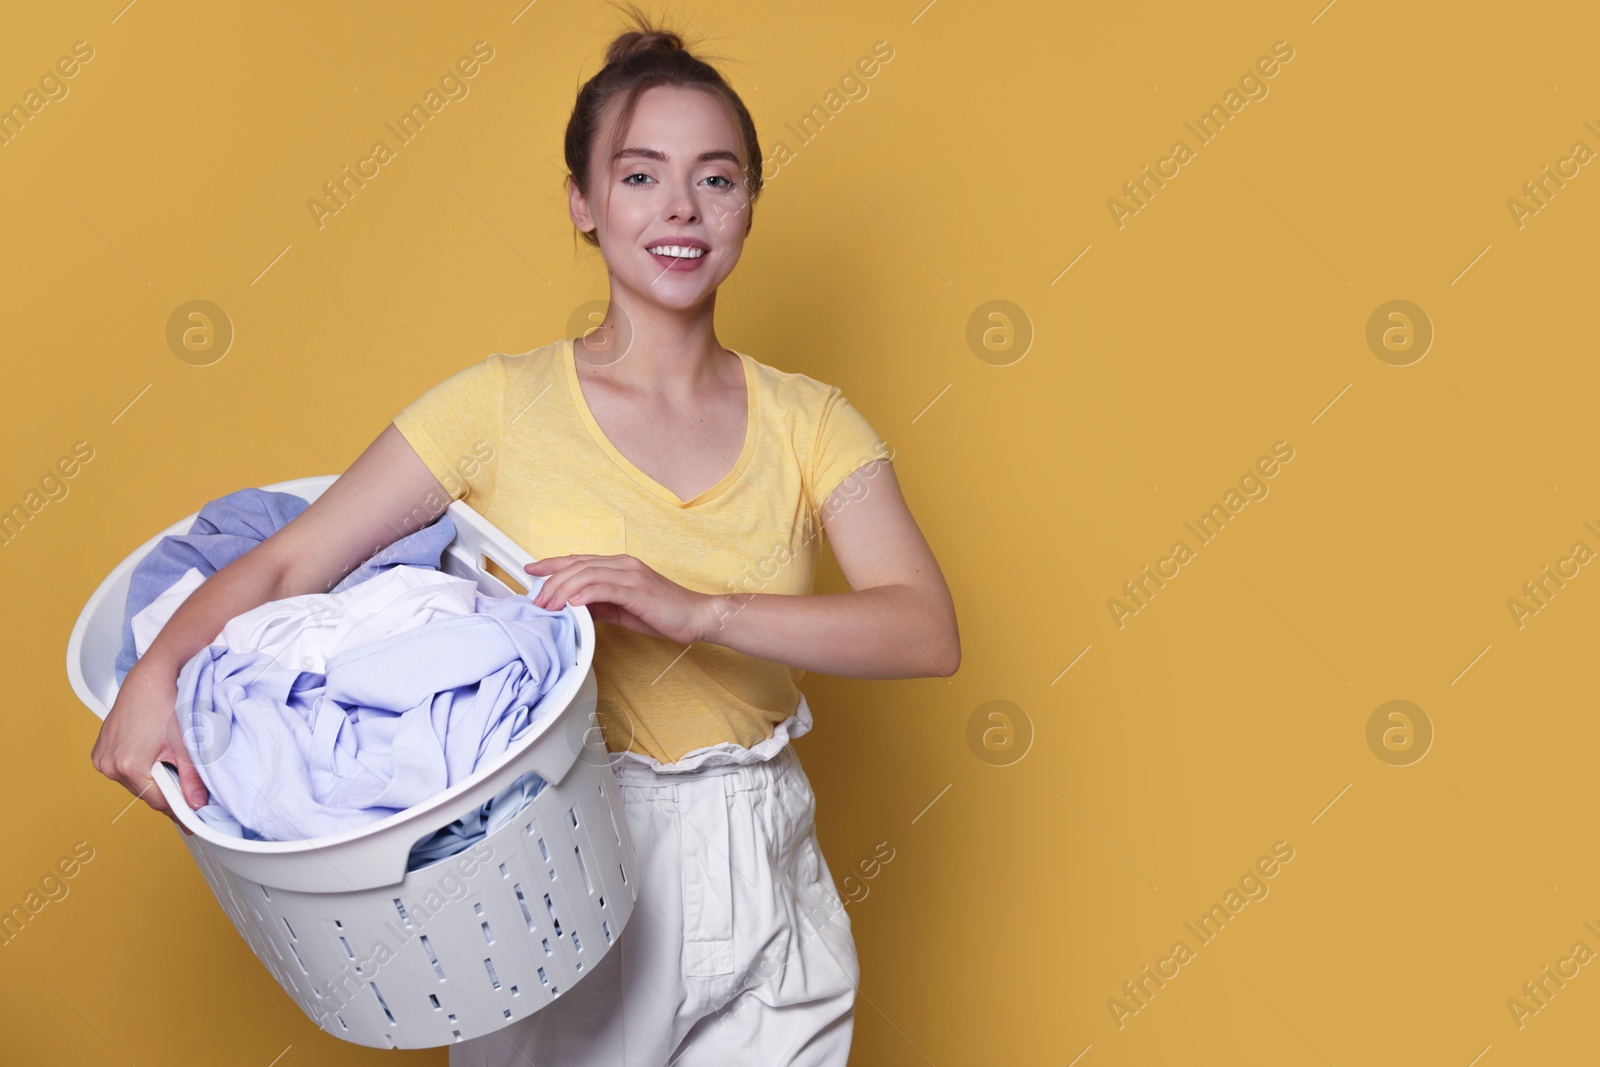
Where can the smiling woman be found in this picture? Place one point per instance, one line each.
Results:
(674, 487)
(664, 466)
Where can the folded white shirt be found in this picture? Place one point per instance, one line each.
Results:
(303, 632)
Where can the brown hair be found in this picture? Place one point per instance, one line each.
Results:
(639, 59)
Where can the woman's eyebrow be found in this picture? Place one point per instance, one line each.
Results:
(651, 153)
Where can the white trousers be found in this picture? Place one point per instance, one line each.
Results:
(739, 950)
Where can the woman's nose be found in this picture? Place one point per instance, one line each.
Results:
(684, 208)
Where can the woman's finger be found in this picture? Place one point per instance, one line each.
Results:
(550, 589)
(559, 587)
(549, 563)
(569, 584)
(596, 588)
(554, 568)
(608, 602)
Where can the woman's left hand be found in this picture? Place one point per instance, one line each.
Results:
(622, 589)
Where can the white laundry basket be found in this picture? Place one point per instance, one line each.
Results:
(383, 957)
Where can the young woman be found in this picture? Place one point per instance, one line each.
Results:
(677, 489)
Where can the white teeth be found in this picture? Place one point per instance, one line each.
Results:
(678, 251)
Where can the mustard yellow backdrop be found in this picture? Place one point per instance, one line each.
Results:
(1239, 362)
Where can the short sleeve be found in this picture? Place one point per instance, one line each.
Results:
(845, 442)
(457, 429)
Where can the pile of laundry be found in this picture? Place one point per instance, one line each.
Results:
(322, 713)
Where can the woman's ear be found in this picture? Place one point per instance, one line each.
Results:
(578, 207)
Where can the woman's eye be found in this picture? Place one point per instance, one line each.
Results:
(728, 183)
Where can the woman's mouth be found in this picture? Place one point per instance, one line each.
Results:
(678, 257)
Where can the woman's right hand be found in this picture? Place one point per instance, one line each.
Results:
(141, 728)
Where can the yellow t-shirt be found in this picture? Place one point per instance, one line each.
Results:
(514, 438)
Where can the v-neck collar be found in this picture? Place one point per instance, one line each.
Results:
(570, 359)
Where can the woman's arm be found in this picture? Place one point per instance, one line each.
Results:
(897, 622)
(386, 493)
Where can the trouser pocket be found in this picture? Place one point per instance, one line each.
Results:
(707, 876)
(802, 853)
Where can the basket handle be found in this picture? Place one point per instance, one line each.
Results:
(166, 780)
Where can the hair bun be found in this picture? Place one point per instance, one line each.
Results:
(634, 42)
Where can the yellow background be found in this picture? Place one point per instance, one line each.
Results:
(1229, 313)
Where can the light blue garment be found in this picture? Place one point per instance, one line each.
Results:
(291, 755)
(230, 526)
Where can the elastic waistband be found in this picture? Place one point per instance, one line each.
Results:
(766, 757)
(740, 776)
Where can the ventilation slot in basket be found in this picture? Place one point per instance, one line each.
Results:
(401, 908)
(382, 1003)
(553, 920)
(526, 914)
(487, 935)
(488, 965)
(583, 868)
(438, 970)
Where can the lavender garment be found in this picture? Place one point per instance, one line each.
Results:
(230, 526)
(290, 755)
(227, 528)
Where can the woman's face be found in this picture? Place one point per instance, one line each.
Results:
(676, 180)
